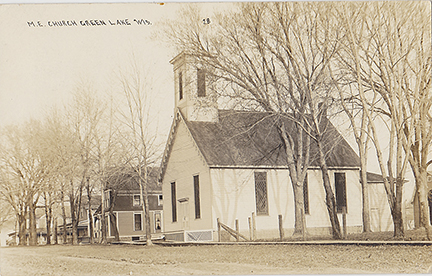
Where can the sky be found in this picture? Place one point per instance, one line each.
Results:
(40, 66)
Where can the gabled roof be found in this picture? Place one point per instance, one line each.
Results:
(128, 180)
(250, 139)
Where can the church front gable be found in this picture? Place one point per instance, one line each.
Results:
(186, 185)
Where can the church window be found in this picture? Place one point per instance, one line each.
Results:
(173, 202)
(197, 197)
(180, 83)
(261, 193)
(340, 188)
(201, 83)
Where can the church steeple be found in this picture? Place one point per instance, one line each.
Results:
(192, 96)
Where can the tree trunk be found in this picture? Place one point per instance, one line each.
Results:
(64, 232)
(48, 214)
(90, 219)
(365, 191)
(55, 234)
(103, 220)
(74, 206)
(398, 219)
(73, 220)
(32, 226)
(297, 184)
(299, 212)
(423, 202)
(91, 228)
(113, 217)
(74, 231)
(144, 197)
(75, 213)
(90, 216)
(330, 198)
(147, 218)
(22, 229)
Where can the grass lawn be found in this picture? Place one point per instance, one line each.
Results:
(213, 259)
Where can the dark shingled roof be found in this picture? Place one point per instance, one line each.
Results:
(127, 180)
(374, 178)
(251, 139)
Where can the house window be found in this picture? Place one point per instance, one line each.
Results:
(137, 222)
(136, 200)
(306, 195)
(201, 83)
(160, 200)
(180, 83)
(158, 222)
(173, 202)
(261, 193)
(197, 197)
(340, 187)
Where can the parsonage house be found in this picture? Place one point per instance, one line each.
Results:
(228, 164)
(124, 208)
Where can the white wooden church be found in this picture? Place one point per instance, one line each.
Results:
(213, 169)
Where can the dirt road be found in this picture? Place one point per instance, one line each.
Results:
(213, 259)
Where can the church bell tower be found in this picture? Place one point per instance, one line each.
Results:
(192, 96)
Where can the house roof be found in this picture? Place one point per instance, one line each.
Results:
(374, 178)
(128, 180)
(242, 138)
(95, 201)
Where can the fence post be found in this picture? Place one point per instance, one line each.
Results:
(237, 230)
(219, 230)
(344, 222)
(281, 231)
(250, 227)
(253, 226)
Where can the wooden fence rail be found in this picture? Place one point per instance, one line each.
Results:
(235, 233)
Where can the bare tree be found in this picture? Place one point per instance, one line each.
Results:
(388, 57)
(358, 116)
(15, 195)
(272, 57)
(117, 179)
(108, 158)
(418, 100)
(63, 152)
(84, 116)
(7, 211)
(28, 170)
(140, 132)
(54, 141)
